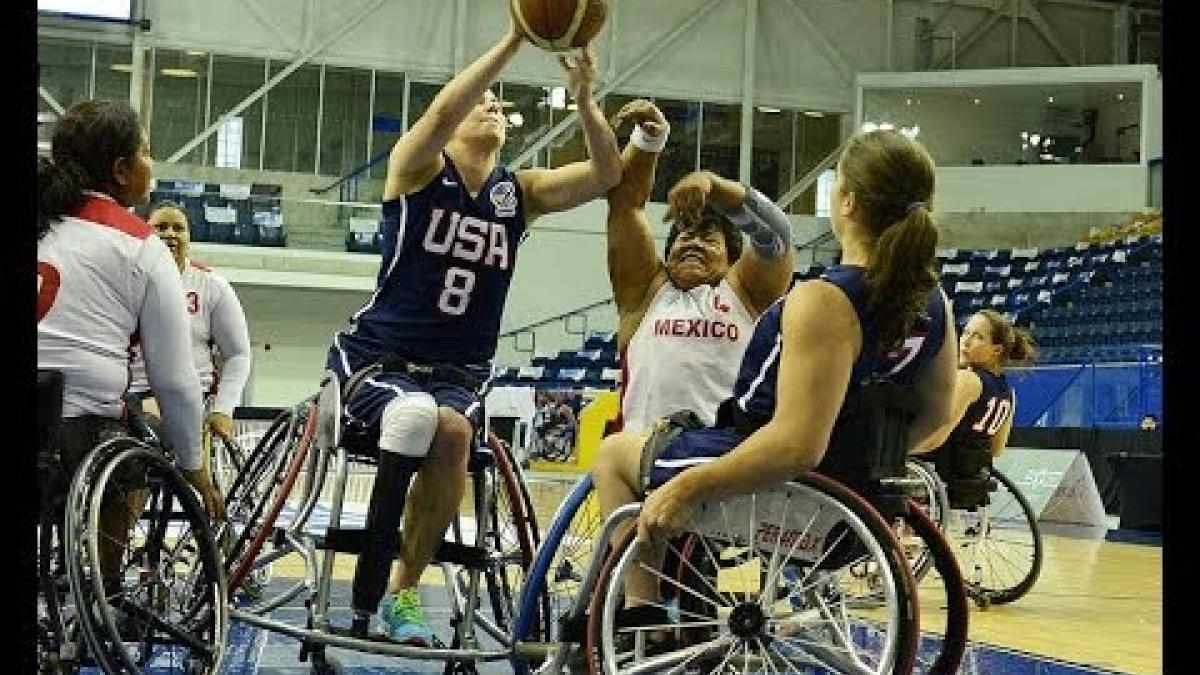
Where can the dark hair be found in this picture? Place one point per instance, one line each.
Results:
(892, 178)
(88, 139)
(710, 219)
(1018, 344)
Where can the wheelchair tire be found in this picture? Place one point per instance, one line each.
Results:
(752, 616)
(240, 559)
(171, 595)
(1025, 534)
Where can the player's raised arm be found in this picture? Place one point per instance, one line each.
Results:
(550, 190)
(634, 268)
(417, 157)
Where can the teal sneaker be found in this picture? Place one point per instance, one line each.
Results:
(405, 618)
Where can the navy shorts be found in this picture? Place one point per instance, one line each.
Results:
(368, 400)
(698, 446)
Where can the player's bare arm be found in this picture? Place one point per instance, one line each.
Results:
(551, 190)
(634, 268)
(417, 156)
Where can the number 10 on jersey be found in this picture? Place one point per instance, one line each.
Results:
(456, 291)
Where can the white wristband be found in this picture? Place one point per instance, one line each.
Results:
(646, 142)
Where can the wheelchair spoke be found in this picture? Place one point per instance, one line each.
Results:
(682, 612)
(826, 656)
(668, 626)
(775, 564)
(742, 571)
(841, 630)
(701, 577)
(678, 585)
(664, 661)
(774, 580)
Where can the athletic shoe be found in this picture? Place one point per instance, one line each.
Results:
(405, 618)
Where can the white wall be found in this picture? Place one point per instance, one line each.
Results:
(1115, 187)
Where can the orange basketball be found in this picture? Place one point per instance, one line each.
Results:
(560, 25)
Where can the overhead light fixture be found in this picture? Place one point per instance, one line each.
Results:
(908, 101)
(768, 109)
(814, 113)
(178, 72)
(572, 106)
(1050, 100)
(558, 97)
(1120, 97)
(122, 67)
(195, 52)
(868, 127)
(516, 119)
(1036, 139)
(976, 101)
(1024, 135)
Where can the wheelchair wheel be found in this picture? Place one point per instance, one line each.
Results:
(767, 589)
(58, 632)
(262, 489)
(166, 602)
(558, 572)
(512, 535)
(999, 545)
(941, 556)
(933, 501)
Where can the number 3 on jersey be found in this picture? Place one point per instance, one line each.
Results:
(997, 412)
(456, 294)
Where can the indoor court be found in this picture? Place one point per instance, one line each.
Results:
(344, 187)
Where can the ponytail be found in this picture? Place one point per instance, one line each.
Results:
(1017, 343)
(901, 274)
(60, 191)
(1022, 350)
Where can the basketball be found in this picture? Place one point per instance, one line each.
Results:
(560, 25)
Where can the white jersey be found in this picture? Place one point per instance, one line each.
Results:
(218, 327)
(99, 275)
(684, 354)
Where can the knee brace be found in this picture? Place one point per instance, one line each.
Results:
(408, 424)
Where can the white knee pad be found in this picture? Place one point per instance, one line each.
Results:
(408, 424)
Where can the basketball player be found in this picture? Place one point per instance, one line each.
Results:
(880, 313)
(984, 402)
(684, 323)
(452, 220)
(105, 282)
(217, 320)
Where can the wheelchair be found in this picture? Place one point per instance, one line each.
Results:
(163, 607)
(776, 580)
(991, 526)
(304, 458)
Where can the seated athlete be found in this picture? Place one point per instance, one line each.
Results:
(452, 221)
(685, 318)
(984, 402)
(879, 313)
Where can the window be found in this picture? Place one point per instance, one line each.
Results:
(387, 119)
(813, 140)
(64, 70)
(178, 103)
(113, 65)
(678, 158)
(291, 143)
(233, 79)
(528, 121)
(720, 139)
(771, 167)
(345, 120)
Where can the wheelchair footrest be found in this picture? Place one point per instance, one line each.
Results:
(353, 541)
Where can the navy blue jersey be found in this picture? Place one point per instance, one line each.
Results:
(987, 414)
(447, 262)
(754, 391)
